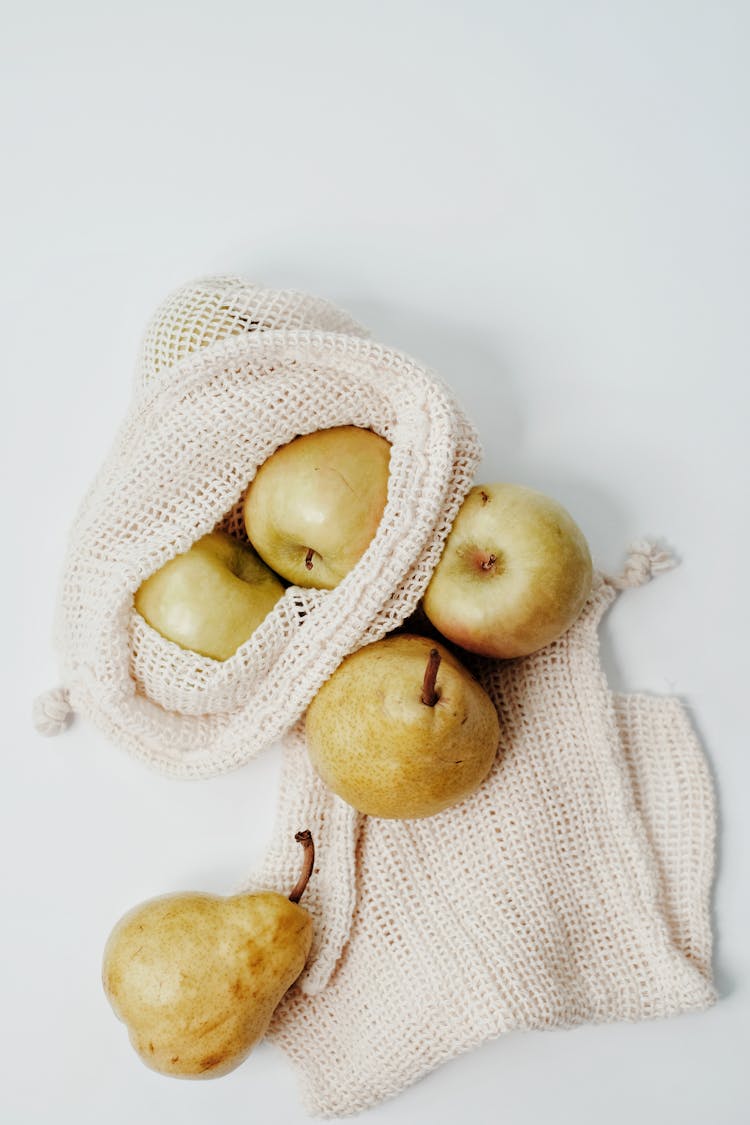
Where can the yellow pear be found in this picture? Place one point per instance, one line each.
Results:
(211, 598)
(401, 729)
(315, 504)
(196, 977)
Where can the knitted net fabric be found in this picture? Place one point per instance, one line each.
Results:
(228, 372)
(573, 886)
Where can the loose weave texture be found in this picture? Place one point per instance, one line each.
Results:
(572, 887)
(228, 372)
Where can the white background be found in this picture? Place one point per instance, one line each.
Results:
(545, 201)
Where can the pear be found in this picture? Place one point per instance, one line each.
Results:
(197, 977)
(401, 729)
(210, 598)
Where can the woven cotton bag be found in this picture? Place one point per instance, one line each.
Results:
(228, 373)
(572, 887)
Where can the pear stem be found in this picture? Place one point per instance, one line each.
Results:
(304, 838)
(309, 558)
(430, 695)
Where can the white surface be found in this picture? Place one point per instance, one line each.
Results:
(548, 202)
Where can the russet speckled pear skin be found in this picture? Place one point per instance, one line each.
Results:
(381, 749)
(196, 977)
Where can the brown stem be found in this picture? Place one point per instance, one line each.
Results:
(309, 558)
(489, 562)
(304, 838)
(429, 695)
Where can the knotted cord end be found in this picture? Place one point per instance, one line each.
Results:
(645, 561)
(52, 711)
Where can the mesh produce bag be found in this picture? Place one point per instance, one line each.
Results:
(572, 886)
(228, 373)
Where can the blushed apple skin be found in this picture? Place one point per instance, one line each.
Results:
(211, 598)
(514, 575)
(315, 504)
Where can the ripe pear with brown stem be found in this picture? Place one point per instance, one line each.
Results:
(197, 977)
(402, 729)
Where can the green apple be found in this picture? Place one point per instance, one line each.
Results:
(211, 598)
(315, 504)
(514, 574)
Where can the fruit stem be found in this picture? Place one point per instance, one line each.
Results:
(309, 558)
(304, 838)
(429, 695)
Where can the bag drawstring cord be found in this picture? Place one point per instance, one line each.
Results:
(52, 711)
(645, 561)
